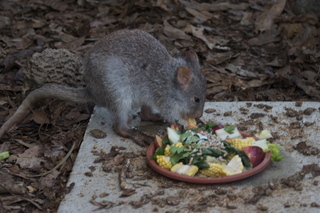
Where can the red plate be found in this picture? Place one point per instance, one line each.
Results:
(205, 180)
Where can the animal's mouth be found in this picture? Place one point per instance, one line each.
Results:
(193, 115)
(191, 122)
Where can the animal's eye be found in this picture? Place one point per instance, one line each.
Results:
(196, 99)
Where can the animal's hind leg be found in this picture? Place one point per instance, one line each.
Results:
(121, 127)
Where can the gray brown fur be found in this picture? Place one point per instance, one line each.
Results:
(130, 69)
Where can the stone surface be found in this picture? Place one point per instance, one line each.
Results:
(291, 123)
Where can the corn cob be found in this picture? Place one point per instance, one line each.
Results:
(240, 143)
(215, 170)
(230, 156)
(178, 144)
(164, 161)
(189, 170)
(167, 149)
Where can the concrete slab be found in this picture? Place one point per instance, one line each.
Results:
(291, 123)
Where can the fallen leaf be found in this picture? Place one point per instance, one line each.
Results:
(215, 6)
(84, 29)
(103, 204)
(310, 75)
(204, 15)
(40, 117)
(128, 192)
(29, 159)
(162, 4)
(284, 71)
(216, 42)
(289, 30)
(74, 116)
(174, 33)
(57, 5)
(246, 73)
(97, 133)
(37, 23)
(118, 160)
(218, 58)
(72, 44)
(267, 37)
(49, 180)
(277, 62)
(11, 59)
(247, 18)
(5, 22)
(266, 19)
(257, 83)
(215, 90)
(9, 185)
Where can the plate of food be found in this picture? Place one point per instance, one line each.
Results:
(211, 153)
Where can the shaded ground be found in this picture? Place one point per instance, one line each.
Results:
(250, 51)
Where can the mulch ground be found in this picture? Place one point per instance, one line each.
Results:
(249, 50)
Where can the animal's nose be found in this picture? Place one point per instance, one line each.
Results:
(198, 114)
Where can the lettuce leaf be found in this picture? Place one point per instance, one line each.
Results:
(275, 152)
(229, 129)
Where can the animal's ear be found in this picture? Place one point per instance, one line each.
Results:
(192, 56)
(184, 77)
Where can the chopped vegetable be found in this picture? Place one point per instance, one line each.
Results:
(214, 170)
(189, 137)
(231, 155)
(189, 170)
(176, 127)
(173, 135)
(216, 127)
(234, 166)
(263, 144)
(192, 123)
(212, 150)
(229, 129)
(275, 152)
(159, 141)
(168, 151)
(240, 143)
(249, 141)
(223, 134)
(4, 155)
(164, 161)
(264, 134)
(255, 154)
(178, 144)
(209, 127)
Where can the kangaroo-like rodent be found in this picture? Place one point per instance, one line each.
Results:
(130, 69)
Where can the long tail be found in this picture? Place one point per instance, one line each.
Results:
(54, 91)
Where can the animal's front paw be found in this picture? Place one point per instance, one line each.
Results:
(142, 139)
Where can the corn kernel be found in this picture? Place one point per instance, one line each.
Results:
(179, 144)
(164, 161)
(215, 170)
(230, 156)
(167, 150)
(189, 170)
(241, 143)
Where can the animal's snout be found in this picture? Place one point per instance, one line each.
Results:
(198, 114)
